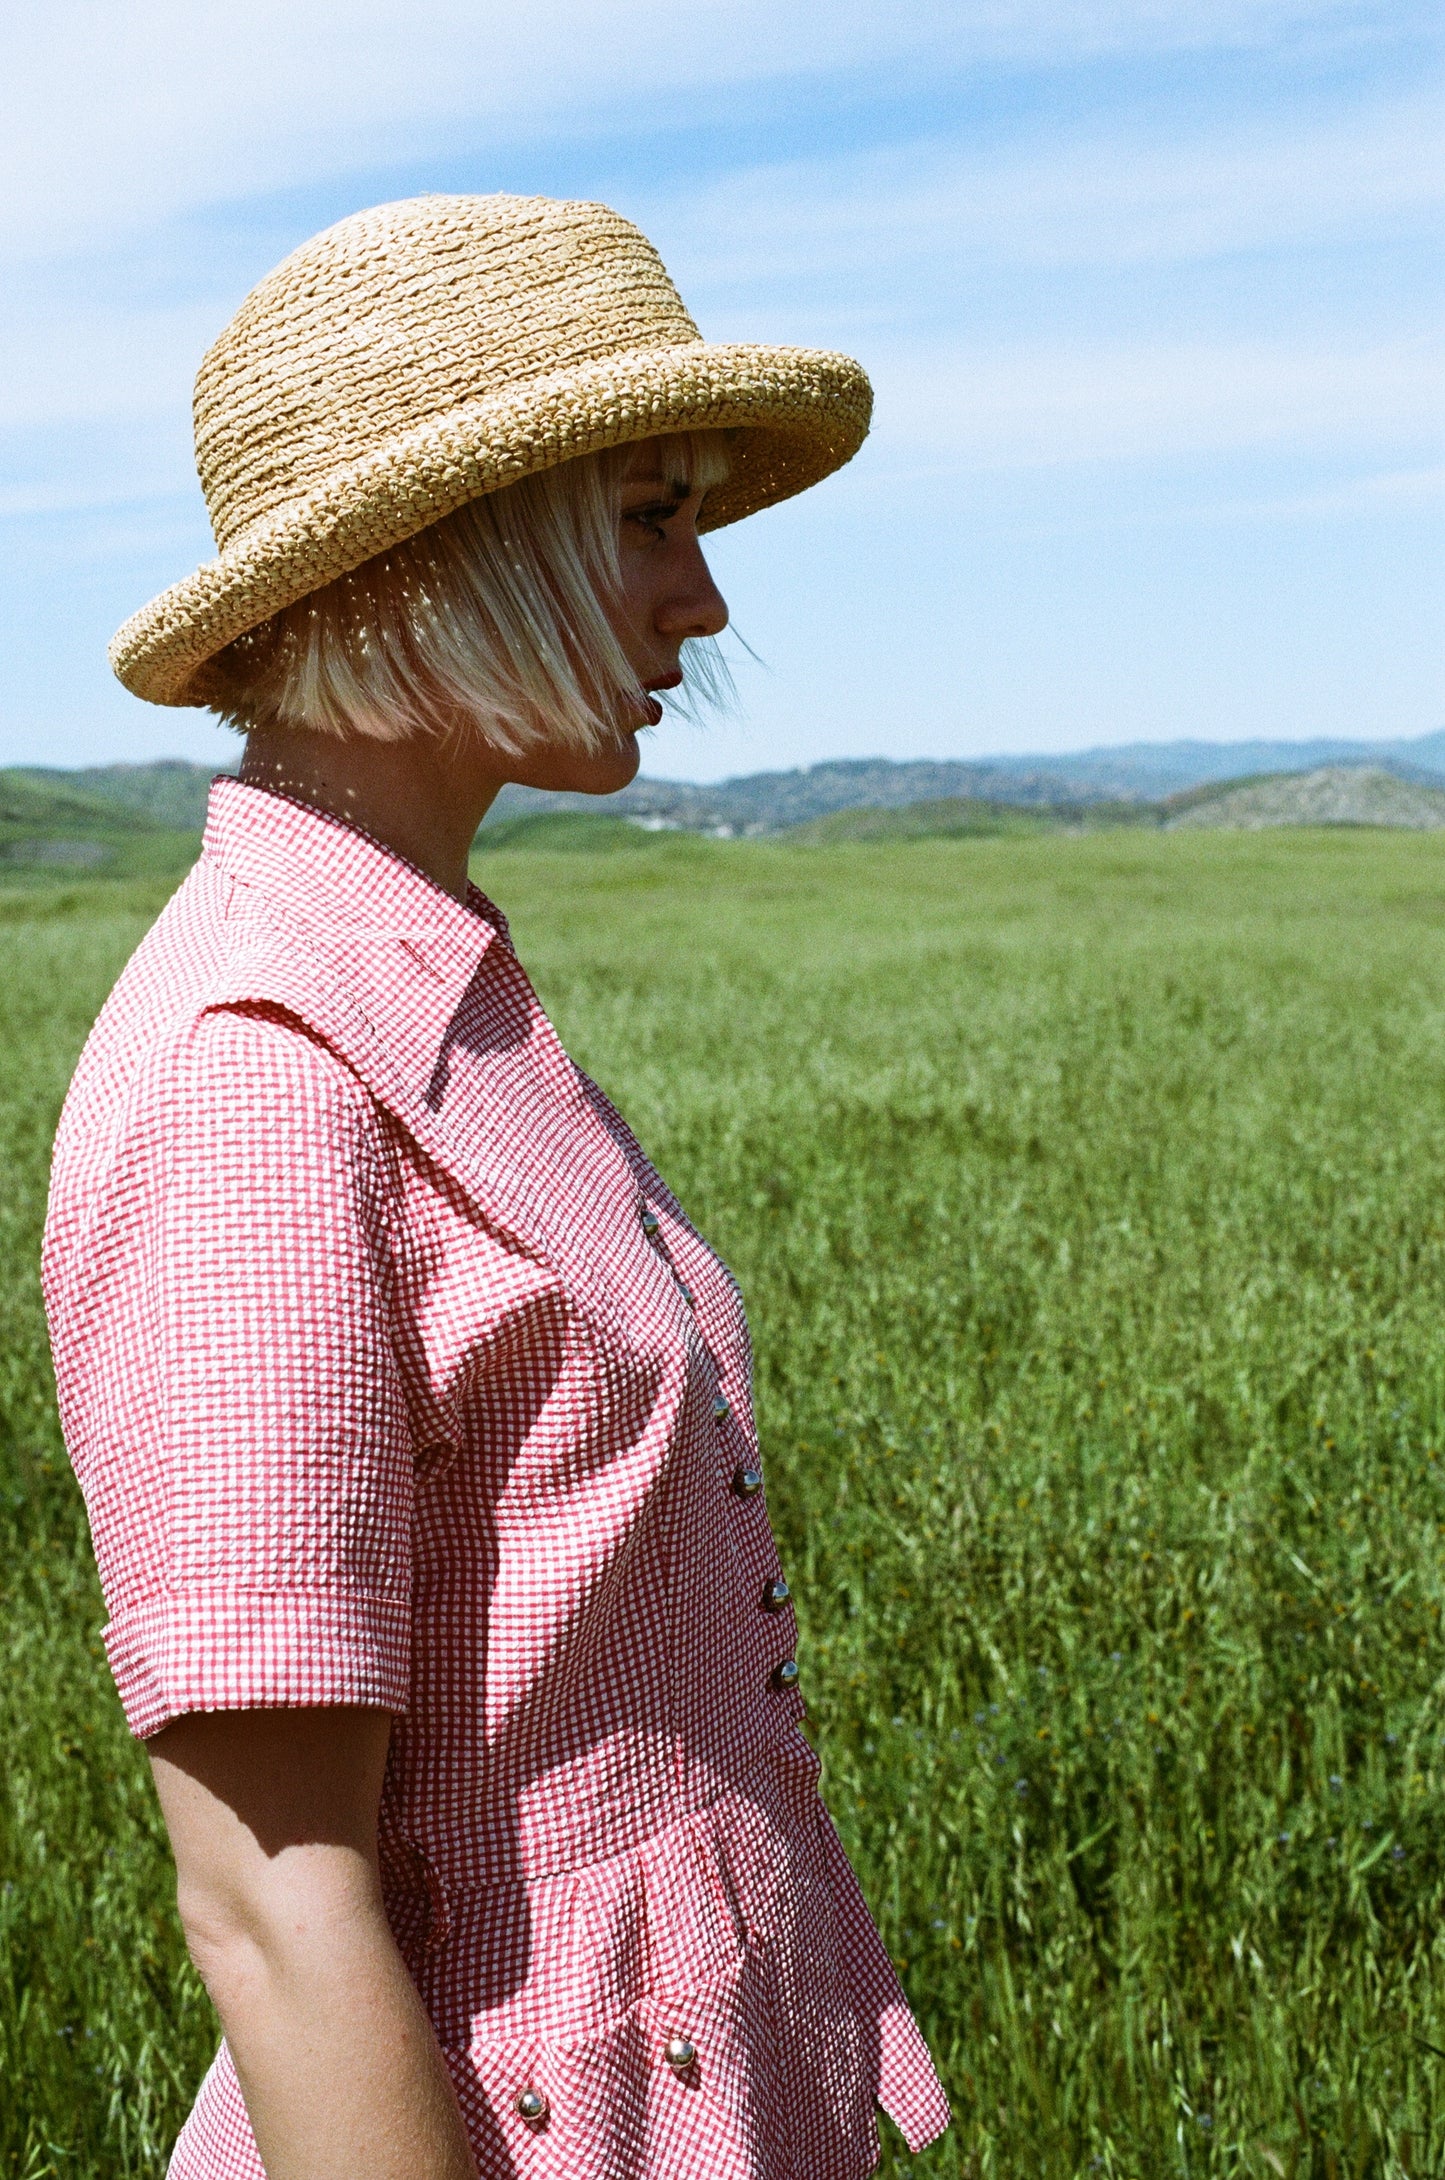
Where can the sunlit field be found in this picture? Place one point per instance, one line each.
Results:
(1089, 1200)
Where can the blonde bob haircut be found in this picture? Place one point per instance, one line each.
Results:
(495, 618)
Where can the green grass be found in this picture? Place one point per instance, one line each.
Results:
(1089, 1199)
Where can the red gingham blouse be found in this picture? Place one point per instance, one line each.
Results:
(393, 1375)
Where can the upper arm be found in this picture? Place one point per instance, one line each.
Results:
(225, 1351)
(265, 1808)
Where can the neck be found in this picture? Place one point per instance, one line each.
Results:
(421, 798)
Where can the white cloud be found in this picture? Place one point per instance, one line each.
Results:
(121, 115)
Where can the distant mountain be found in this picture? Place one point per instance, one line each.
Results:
(767, 802)
(172, 793)
(1330, 795)
(1155, 770)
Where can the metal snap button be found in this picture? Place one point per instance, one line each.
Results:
(721, 1409)
(650, 1222)
(679, 2053)
(748, 1482)
(786, 1675)
(532, 2106)
(775, 1596)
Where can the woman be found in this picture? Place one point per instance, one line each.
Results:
(412, 1415)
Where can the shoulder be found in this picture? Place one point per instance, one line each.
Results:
(245, 1069)
(214, 1009)
(225, 1109)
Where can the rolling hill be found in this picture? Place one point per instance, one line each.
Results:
(1331, 795)
(1182, 783)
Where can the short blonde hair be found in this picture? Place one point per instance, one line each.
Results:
(496, 616)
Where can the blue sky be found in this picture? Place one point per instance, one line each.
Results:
(1149, 289)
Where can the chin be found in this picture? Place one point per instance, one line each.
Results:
(582, 771)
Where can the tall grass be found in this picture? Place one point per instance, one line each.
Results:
(1089, 1198)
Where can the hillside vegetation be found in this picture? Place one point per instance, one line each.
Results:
(47, 826)
(1086, 1194)
(1333, 795)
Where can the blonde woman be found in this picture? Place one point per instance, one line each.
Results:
(412, 1415)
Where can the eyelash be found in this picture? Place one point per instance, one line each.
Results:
(654, 518)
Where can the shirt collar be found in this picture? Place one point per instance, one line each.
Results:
(376, 919)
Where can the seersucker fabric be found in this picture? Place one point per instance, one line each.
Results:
(394, 1375)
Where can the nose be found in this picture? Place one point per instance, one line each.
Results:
(692, 604)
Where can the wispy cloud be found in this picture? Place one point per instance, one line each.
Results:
(1117, 199)
(120, 116)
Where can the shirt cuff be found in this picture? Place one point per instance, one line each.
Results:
(240, 1650)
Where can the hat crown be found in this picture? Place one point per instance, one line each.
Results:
(399, 315)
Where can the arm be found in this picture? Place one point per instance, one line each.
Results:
(272, 1816)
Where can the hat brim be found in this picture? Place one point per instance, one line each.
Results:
(798, 414)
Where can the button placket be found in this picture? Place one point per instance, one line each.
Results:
(747, 1482)
(652, 1228)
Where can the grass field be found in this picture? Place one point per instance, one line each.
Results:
(1089, 1198)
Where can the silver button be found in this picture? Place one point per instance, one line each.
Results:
(679, 2053)
(721, 1409)
(649, 1220)
(687, 1294)
(748, 1482)
(775, 1596)
(786, 1674)
(532, 2106)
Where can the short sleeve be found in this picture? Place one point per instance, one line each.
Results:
(220, 1299)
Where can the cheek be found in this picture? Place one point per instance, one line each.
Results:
(639, 587)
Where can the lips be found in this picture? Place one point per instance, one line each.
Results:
(660, 681)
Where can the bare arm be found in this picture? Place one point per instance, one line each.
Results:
(272, 1816)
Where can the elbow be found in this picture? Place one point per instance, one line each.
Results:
(251, 1939)
(227, 1939)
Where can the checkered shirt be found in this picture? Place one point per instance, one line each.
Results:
(394, 1375)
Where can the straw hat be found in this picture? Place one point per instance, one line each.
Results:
(419, 355)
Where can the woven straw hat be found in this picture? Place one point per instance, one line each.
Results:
(419, 355)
